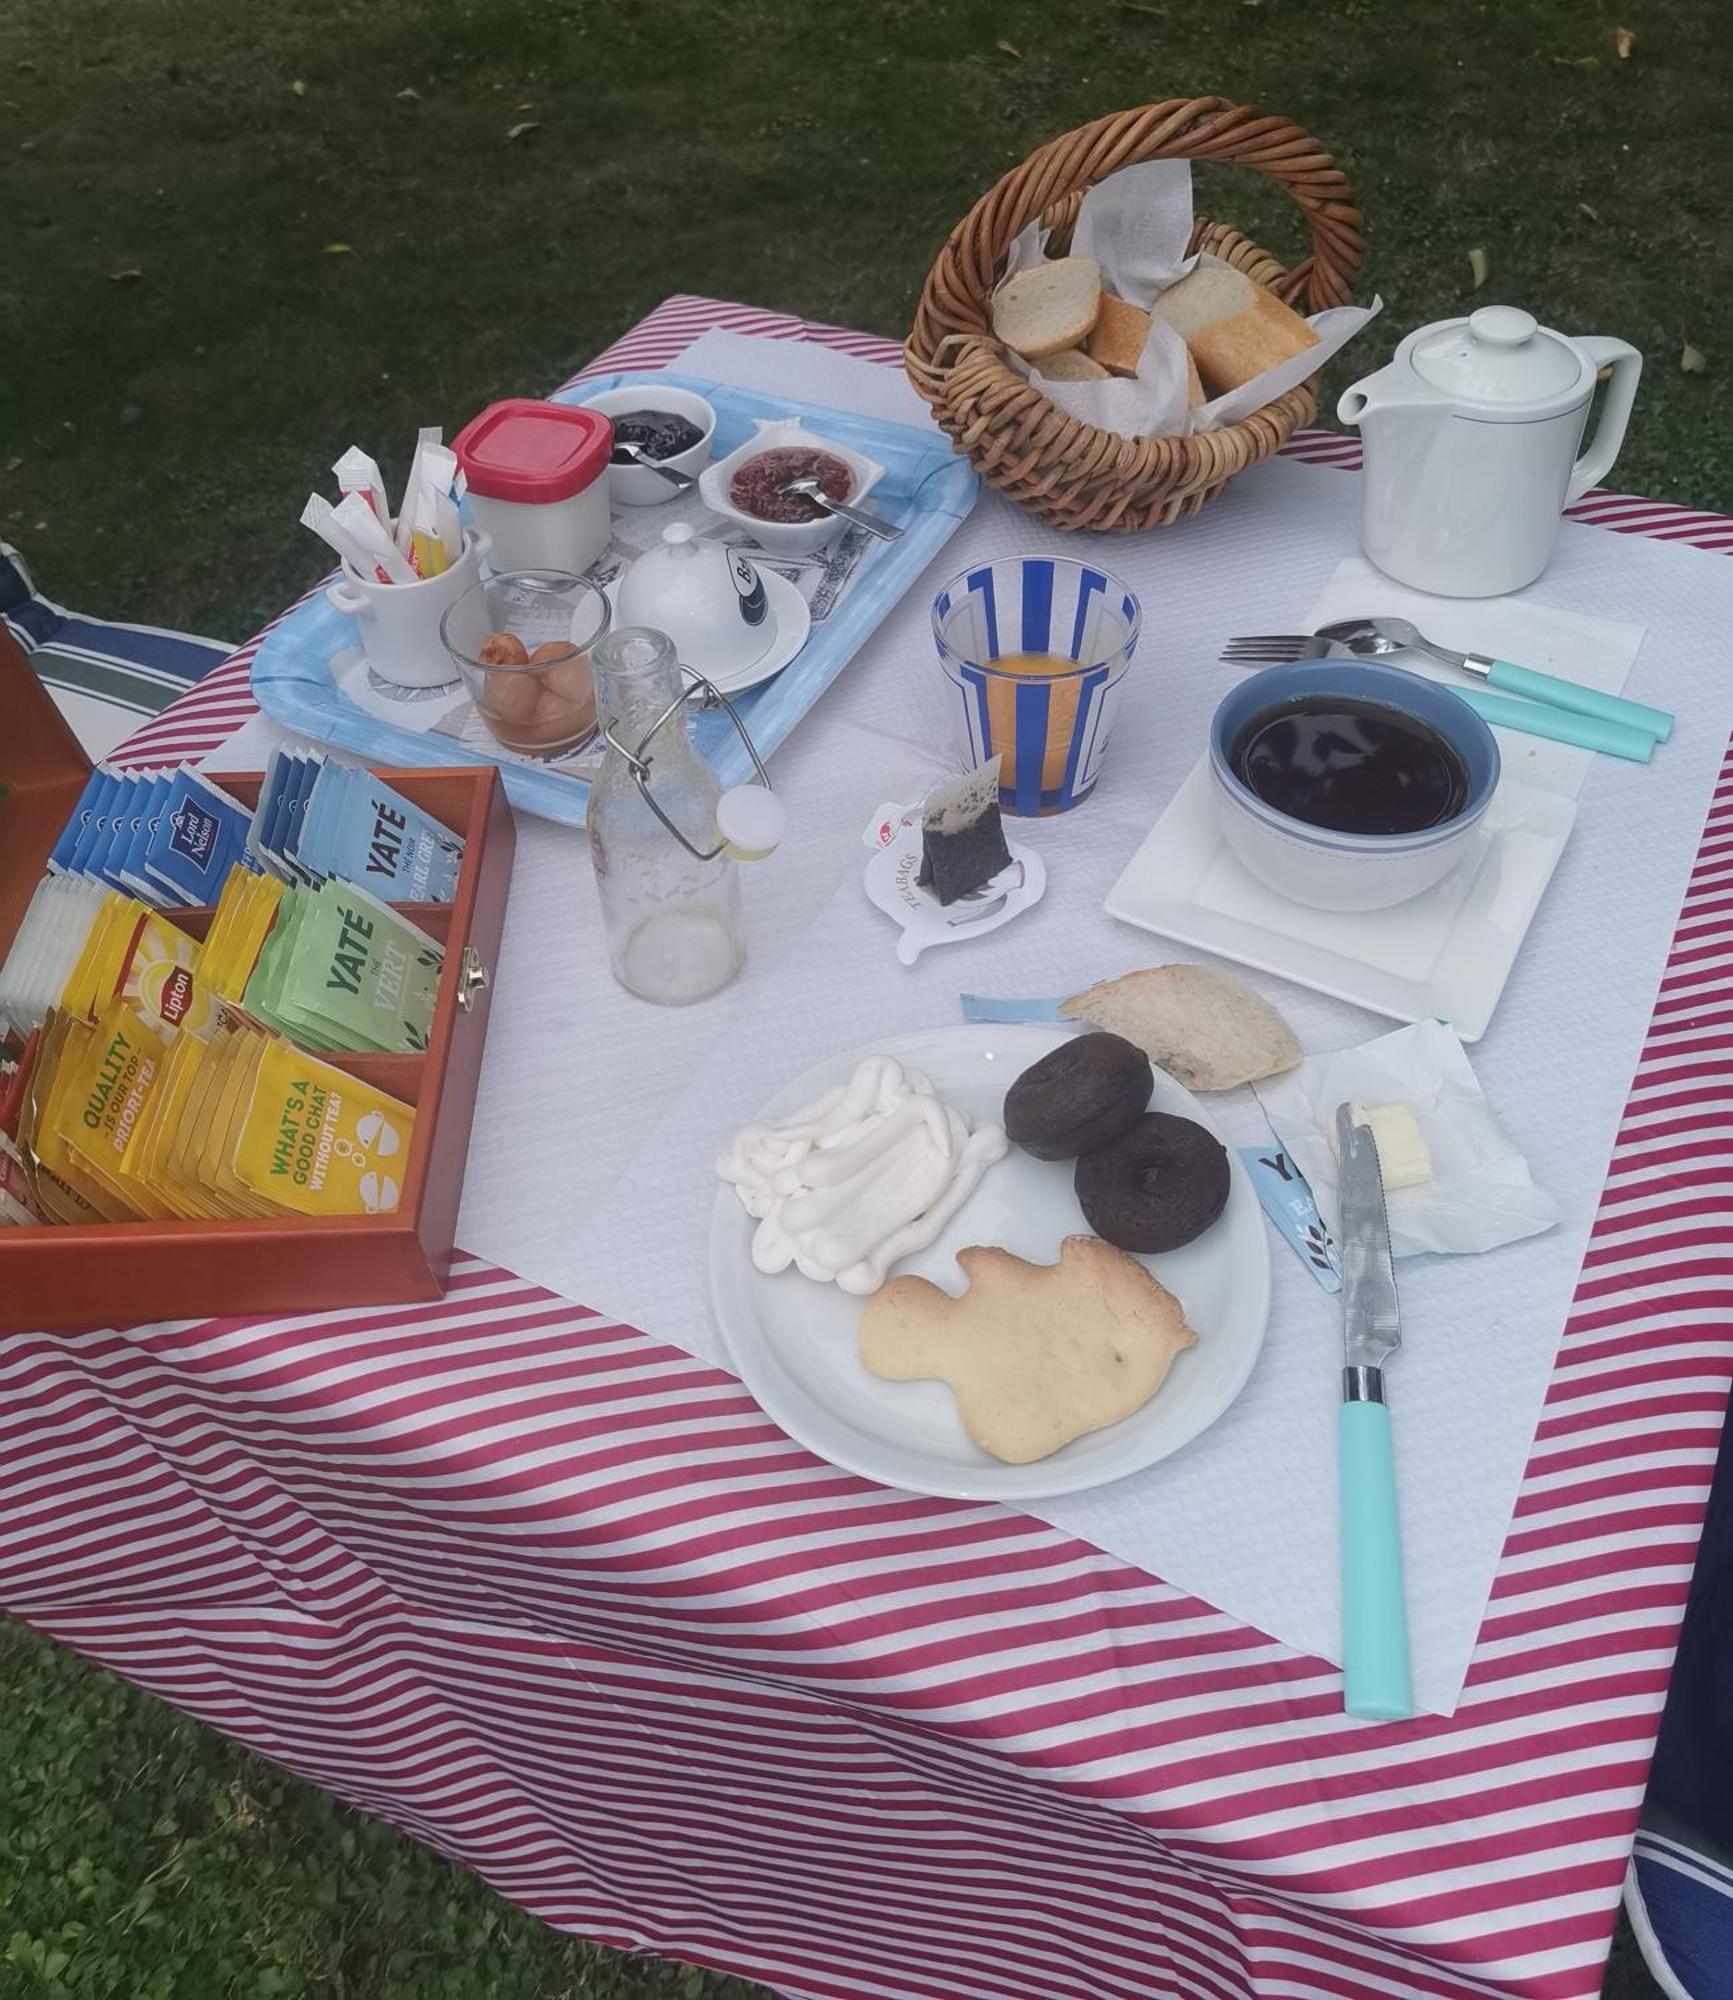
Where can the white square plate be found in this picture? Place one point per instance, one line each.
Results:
(1447, 953)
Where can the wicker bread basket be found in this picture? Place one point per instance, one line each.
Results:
(1071, 474)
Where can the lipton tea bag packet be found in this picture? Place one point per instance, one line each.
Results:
(161, 1122)
(317, 1142)
(237, 1066)
(179, 1154)
(106, 1088)
(65, 1186)
(83, 993)
(245, 914)
(105, 1103)
(160, 978)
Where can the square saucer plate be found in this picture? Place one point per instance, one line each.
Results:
(1447, 953)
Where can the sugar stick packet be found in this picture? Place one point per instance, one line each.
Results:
(431, 436)
(373, 556)
(356, 472)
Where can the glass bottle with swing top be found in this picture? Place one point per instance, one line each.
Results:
(664, 836)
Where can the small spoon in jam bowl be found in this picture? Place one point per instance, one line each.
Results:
(635, 454)
(808, 488)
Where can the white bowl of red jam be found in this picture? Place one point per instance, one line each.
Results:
(1348, 784)
(745, 488)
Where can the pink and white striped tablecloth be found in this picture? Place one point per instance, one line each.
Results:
(560, 1602)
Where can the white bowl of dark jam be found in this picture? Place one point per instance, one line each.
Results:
(1347, 784)
(671, 426)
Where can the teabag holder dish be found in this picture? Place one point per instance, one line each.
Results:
(895, 836)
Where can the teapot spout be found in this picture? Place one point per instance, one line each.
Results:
(1390, 392)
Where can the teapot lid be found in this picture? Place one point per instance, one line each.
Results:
(1499, 355)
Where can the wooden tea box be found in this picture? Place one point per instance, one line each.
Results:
(128, 1273)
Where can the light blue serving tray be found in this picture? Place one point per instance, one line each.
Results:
(926, 489)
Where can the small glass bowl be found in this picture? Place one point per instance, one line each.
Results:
(543, 703)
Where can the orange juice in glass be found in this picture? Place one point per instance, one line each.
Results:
(1037, 649)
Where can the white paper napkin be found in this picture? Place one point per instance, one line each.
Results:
(598, 1117)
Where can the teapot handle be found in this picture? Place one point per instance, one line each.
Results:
(1627, 364)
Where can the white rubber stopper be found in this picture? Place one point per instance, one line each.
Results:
(751, 820)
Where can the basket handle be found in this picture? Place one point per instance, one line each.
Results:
(1181, 128)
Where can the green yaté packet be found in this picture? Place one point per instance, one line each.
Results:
(350, 973)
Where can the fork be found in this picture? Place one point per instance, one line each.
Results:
(1378, 636)
(1532, 718)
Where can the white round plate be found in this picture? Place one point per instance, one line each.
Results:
(793, 1340)
(793, 623)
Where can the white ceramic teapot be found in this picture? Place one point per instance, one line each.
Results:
(1471, 438)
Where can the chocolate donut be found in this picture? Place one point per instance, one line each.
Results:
(1081, 1094)
(1156, 1186)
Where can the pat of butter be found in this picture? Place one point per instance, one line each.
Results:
(1403, 1160)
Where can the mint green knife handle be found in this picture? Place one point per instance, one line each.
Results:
(1548, 688)
(1533, 718)
(1374, 1611)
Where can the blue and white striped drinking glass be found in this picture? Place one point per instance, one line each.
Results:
(1037, 648)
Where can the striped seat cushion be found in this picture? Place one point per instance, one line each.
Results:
(105, 678)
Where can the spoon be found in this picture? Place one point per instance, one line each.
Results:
(809, 489)
(1383, 635)
(633, 454)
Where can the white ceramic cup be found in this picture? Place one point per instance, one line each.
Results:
(400, 621)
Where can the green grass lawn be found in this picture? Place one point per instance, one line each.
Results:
(183, 352)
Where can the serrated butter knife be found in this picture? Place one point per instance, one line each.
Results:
(1374, 1610)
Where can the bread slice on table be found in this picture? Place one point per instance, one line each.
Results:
(1233, 327)
(1048, 307)
(1036, 1354)
(1206, 1030)
(1117, 337)
(1071, 364)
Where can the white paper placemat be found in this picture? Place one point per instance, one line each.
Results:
(598, 1117)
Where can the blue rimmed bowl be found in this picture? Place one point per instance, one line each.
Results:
(1316, 865)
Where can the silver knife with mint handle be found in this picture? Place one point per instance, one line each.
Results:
(1377, 1687)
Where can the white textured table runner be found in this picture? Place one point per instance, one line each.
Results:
(598, 1117)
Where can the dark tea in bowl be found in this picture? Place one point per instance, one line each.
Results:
(1350, 766)
(1347, 784)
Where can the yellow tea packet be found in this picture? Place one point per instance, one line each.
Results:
(161, 979)
(318, 1142)
(162, 1122)
(82, 994)
(238, 1068)
(57, 1183)
(106, 1088)
(244, 915)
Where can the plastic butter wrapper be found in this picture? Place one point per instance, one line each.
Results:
(1480, 1193)
(1287, 1201)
